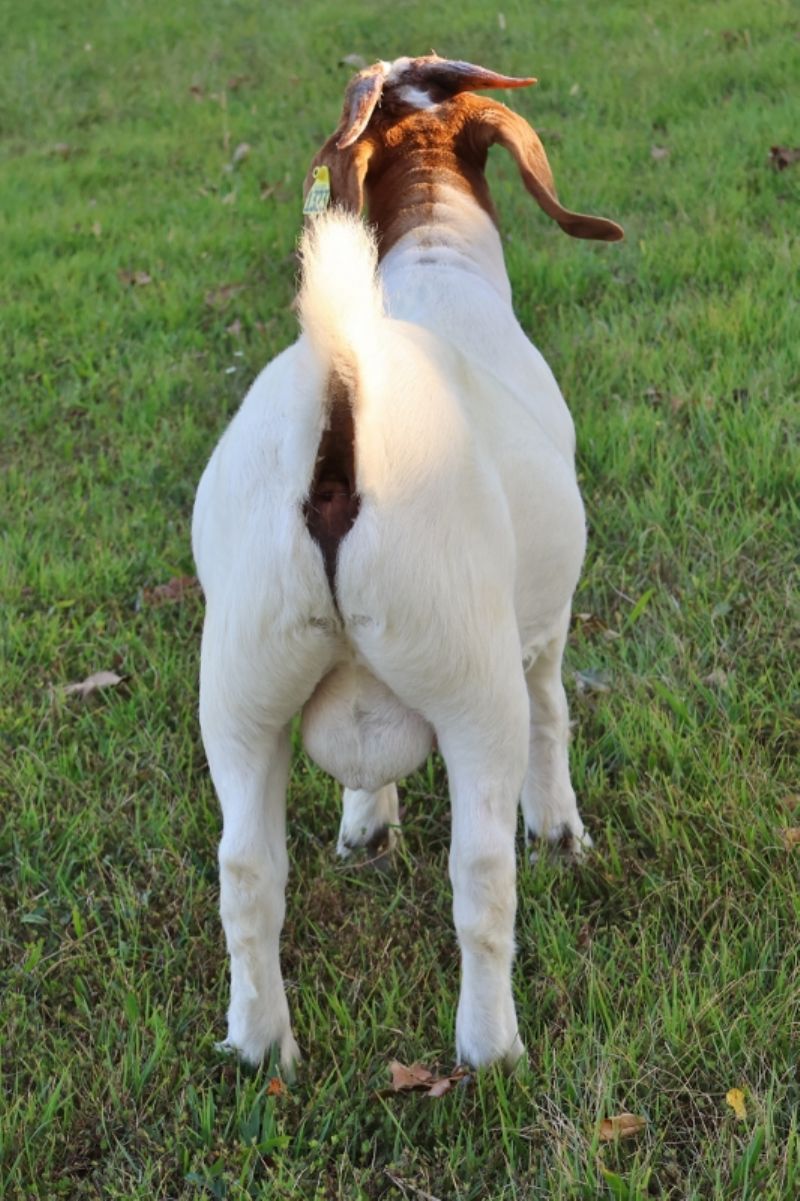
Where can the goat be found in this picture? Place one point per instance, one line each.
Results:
(388, 536)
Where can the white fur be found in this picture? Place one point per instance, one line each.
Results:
(416, 96)
(453, 591)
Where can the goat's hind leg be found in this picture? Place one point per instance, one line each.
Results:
(369, 819)
(548, 799)
(246, 736)
(485, 753)
(469, 685)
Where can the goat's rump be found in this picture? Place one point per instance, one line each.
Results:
(358, 731)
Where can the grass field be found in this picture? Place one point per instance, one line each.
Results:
(146, 279)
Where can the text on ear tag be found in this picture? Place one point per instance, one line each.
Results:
(319, 194)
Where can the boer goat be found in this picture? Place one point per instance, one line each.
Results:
(389, 535)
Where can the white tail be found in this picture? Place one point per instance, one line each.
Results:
(341, 297)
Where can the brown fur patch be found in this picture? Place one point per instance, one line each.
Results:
(405, 156)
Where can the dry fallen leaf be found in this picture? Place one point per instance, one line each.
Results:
(781, 157)
(735, 1098)
(589, 623)
(137, 279)
(174, 590)
(276, 1087)
(196, 91)
(240, 153)
(217, 298)
(790, 836)
(97, 229)
(659, 152)
(622, 1125)
(100, 679)
(235, 328)
(418, 1077)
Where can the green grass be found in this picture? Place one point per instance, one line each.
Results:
(664, 971)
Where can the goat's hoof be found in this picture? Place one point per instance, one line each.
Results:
(507, 1058)
(254, 1050)
(562, 846)
(377, 845)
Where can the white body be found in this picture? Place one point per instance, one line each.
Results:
(453, 590)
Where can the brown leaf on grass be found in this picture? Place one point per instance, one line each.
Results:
(659, 152)
(440, 1087)
(138, 279)
(791, 837)
(235, 328)
(781, 157)
(422, 1079)
(174, 590)
(589, 623)
(276, 1087)
(99, 679)
(622, 1125)
(217, 298)
(403, 1078)
(735, 1098)
(196, 92)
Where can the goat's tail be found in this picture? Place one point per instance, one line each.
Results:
(341, 304)
(340, 297)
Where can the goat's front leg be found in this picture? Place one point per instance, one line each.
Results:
(486, 763)
(548, 799)
(369, 819)
(250, 774)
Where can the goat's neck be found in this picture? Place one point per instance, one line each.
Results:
(437, 220)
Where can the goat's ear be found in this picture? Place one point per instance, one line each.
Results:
(348, 170)
(498, 125)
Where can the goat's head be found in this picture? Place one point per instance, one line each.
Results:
(406, 124)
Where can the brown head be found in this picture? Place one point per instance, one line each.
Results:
(411, 126)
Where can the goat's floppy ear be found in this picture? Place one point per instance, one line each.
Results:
(346, 158)
(348, 170)
(498, 125)
(360, 100)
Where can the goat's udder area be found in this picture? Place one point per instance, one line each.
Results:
(358, 731)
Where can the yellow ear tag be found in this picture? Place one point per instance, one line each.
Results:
(319, 194)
